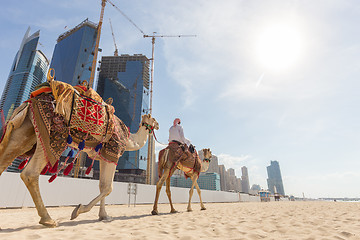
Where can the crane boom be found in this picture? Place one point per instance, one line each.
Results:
(82, 156)
(112, 32)
(93, 66)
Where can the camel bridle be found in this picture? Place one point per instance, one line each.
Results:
(148, 127)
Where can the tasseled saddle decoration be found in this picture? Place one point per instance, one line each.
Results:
(23, 163)
(81, 104)
(69, 166)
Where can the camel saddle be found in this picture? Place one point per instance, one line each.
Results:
(182, 155)
(60, 109)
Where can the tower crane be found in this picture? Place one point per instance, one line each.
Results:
(93, 66)
(153, 36)
(112, 32)
(82, 156)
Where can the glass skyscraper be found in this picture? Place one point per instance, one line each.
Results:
(275, 183)
(28, 70)
(125, 79)
(74, 52)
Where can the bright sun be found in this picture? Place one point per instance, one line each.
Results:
(279, 47)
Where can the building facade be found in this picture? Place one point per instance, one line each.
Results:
(28, 70)
(125, 79)
(223, 183)
(274, 181)
(74, 52)
(208, 181)
(245, 184)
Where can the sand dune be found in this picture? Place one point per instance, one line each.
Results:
(274, 220)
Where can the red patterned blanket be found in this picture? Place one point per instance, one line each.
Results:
(52, 129)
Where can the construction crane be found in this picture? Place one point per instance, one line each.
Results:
(153, 47)
(93, 66)
(153, 36)
(112, 32)
(153, 59)
(82, 155)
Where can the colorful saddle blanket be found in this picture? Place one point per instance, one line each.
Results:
(90, 121)
(180, 154)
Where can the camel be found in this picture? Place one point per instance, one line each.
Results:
(21, 136)
(166, 169)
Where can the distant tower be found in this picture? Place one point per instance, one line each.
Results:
(245, 185)
(28, 70)
(223, 183)
(275, 183)
(74, 53)
(125, 78)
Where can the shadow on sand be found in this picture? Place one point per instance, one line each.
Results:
(71, 223)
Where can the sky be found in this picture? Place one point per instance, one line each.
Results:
(262, 80)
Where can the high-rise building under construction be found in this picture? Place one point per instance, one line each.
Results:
(125, 79)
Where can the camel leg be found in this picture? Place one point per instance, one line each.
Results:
(107, 171)
(102, 212)
(158, 189)
(30, 176)
(168, 192)
(193, 179)
(199, 192)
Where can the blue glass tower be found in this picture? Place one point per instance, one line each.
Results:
(74, 52)
(28, 70)
(275, 183)
(125, 78)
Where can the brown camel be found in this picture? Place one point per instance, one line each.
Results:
(22, 135)
(167, 166)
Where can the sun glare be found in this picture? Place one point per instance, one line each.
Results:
(279, 47)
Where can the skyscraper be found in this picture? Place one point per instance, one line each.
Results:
(223, 183)
(28, 70)
(275, 183)
(74, 53)
(125, 78)
(245, 185)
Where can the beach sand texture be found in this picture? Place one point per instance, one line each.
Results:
(273, 220)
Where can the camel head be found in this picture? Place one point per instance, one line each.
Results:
(149, 123)
(206, 161)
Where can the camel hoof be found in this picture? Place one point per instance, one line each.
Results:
(76, 212)
(189, 210)
(203, 208)
(154, 212)
(105, 218)
(173, 211)
(48, 223)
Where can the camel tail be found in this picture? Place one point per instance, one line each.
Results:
(6, 137)
(15, 122)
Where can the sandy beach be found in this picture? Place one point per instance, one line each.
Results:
(274, 220)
